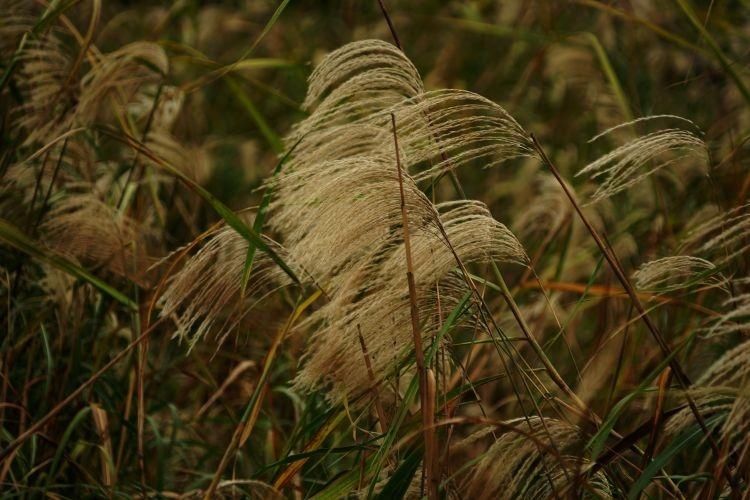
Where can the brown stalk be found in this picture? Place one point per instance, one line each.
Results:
(101, 423)
(614, 292)
(679, 374)
(390, 24)
(664, 381)
(375, 385)
(430, 445)
(415, 328)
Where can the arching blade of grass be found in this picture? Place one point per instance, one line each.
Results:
(312, 450)
(260, 218)
(47, 357)
(609, 72)
(63, 443)
(725, 63)
(482, 28)
(224, 211)
(271, 137)
(14, 237)
(658, 30)
(220, 72)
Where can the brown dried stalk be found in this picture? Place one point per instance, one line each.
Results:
(418, 350)
(375, 385)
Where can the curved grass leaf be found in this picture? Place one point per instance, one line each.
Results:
(399, 482)
(224, 211)
(685, 439)
(14, 237)
(260, 218)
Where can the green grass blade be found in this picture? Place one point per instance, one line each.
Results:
(63, 443)
(224, 211)
(609, 72)
(14, 237)
(260, 218)
(685, 439)
(271, 137)
(725, 63)
(399, 482)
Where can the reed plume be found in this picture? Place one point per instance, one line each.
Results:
(91, 231)
(639, 158)
(539, 461)
(343, 176)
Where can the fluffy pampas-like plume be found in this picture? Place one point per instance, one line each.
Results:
(540, 463)
(91, 231)
(343, 175)
(675, 272)
(206, 296)
(635, 160)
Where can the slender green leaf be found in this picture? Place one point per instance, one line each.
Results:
(725, 63)
(401, 479)
(260, 218)
(60, 448)
(685, 439)
(14, 237)
(224, 211)
(271, 137)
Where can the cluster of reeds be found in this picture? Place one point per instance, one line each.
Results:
(425, 294)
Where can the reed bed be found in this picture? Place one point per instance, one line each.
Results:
(379, 249)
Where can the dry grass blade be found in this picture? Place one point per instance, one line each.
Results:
(415, 329)
(101, 421)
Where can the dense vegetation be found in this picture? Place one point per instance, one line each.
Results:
(350, 249)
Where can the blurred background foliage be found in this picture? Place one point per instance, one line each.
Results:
(566, 70)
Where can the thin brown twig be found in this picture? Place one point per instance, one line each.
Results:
(390, 24)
